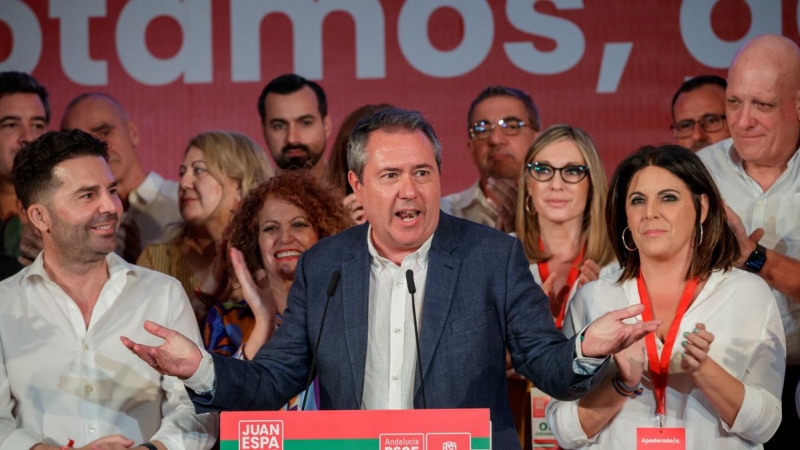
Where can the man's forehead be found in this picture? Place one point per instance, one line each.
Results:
(498, 107)
(22, 102)
(93, 112)
(83, 170)
(291, 106)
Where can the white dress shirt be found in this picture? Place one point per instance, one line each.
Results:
(470, 204)
(739, 309)
(777, 211)
(154, 205)
(61, 380)
(391, 345)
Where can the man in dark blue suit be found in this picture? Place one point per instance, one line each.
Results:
(475, 298)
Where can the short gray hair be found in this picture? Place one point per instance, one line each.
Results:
(389, 120)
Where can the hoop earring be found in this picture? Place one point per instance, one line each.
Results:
(701, 236)
(625, 243)
(528, 206)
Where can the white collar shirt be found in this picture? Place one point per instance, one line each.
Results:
(389, 372)
(777, 211)
(61, 380)
(470, 204)
(739, 309)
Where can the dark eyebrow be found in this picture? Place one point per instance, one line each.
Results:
(95, 188)
(661, 192)
(305, 117)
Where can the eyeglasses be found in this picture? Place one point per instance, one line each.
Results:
(572, 173)
(509, 126)
(710, 123)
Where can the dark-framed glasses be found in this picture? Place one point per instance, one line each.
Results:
(509, 126)
(571, 173)
(710, 123)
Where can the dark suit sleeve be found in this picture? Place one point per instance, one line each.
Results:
(539, 351)
(276, 374)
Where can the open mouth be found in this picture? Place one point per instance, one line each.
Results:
(287, 254)
(407, 215)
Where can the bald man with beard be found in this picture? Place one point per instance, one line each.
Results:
(150, 201)
(758, 173)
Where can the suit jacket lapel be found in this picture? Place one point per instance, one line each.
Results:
(355, 293)
(440, 287)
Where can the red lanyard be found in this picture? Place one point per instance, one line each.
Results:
(572, 276)
(659, 370)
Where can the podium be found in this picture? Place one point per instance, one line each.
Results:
(415, 429)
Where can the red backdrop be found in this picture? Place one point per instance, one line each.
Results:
(610, 67)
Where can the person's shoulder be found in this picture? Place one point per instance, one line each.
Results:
(742, 282)
(474, 237)
(458, 200)
(714, 154)
(341, 242)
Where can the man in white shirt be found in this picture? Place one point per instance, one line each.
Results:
(758, 174)
(501, 124)
(150, 201)
(64, 375)
(478, 298)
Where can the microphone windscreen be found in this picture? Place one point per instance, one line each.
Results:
(412, 288)
(333, 283)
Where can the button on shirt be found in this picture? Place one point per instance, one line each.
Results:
(391, 345)
(61, 380)
(777, 211)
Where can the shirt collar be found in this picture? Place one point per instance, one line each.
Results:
(117, 267)
(148, 190)
(420, 256)
(736, 160)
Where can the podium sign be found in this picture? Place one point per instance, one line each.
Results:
(416, 429)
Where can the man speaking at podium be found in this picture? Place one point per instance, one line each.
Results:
(475, 297)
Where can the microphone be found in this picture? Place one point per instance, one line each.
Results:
(412, 289)
(331, 289)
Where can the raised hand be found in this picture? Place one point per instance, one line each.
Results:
(746, 243)
(590, 271)
(255, 292)
(695, 348)
(502, 198)
(608, 334)
(177, 356)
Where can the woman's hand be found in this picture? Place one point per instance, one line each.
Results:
(695, 349)
(260, 300)
(630, 363)
(590, 271)
(255, 292)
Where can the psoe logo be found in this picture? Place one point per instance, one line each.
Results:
(261, 435)
(448, 441)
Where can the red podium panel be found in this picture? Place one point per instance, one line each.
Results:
(417, 429)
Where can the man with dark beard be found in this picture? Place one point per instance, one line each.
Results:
(63, 373)
(295, 123)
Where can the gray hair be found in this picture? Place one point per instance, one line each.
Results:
(389, 120)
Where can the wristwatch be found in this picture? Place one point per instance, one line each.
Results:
(148, 446)
(756, 259)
